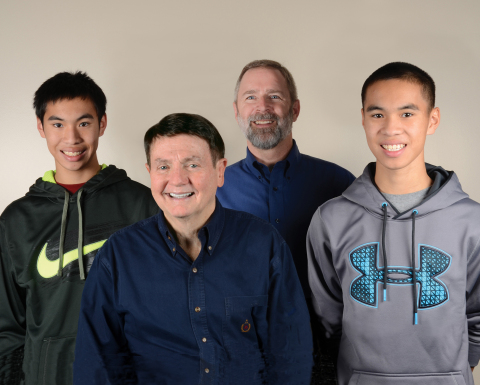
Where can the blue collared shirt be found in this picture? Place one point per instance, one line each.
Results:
(235, 315)
(287, 196)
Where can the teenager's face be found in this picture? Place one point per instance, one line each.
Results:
(72, 129)
(183, 178)
(397, 118)
(263, 109)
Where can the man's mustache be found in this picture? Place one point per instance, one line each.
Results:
(267, 116)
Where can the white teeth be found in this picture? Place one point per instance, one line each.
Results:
(76, 153)
(263, 121)
(180, 195)
(393, 147)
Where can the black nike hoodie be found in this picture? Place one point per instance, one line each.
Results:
(48, 240)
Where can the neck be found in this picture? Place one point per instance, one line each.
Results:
(62, 175)
(270, 157)
(403, 181)
(185, 232)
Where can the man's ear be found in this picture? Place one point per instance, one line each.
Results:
(235, 110)
(434, 121)
(103, 124)
(363, 118)
(40, 128)
(147, 167)
(221, 166)
(296, 109)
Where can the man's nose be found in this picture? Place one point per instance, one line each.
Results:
(71, 135)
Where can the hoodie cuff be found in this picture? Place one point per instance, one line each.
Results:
(473, 354)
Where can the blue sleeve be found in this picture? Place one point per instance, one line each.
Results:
(101, 352)
(290, 347)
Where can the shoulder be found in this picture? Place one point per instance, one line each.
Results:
(327, 168)
(240, 221)
(19, 206)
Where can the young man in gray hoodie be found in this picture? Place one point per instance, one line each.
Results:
(394, 262)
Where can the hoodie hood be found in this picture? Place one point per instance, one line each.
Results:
(444, 192)
(44, 187)
(106, 177)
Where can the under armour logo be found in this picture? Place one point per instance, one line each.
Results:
(433, 263)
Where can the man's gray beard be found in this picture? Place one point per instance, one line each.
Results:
(266, 138)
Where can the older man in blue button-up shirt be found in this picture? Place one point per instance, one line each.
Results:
(198, 294)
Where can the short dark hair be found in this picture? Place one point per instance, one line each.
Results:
(292, 88)
(69, 85)
(189, 124)
(403, 71)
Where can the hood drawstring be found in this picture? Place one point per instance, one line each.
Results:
(384, 208)
(80, 235)
(62, 233)
(414, 273)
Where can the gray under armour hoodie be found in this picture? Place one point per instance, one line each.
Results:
(389, 330)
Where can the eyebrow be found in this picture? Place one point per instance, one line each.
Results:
(84, 116)
(269, 91)
(405, 107)
(185, 160)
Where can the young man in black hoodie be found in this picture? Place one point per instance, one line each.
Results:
(49, 238)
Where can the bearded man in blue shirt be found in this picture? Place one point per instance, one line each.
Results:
(275, 181)
(197, 294)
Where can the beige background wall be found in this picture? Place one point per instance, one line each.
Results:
(153, 58)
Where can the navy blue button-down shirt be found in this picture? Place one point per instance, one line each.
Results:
(235, 315)
(287, 196)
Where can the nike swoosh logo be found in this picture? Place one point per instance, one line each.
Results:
(47, 268)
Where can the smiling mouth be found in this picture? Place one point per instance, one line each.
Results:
(393, 147)
(180, 196)
(75, 153)
(260, 122)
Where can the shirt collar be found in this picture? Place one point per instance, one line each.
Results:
(290, 163)
(213, 229)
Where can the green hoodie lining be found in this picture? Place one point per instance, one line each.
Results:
(49, 176)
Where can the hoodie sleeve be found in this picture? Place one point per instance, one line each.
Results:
(12, 318)
(101, 352)
(473, 305)
(326, 288)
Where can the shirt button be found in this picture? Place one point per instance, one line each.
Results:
(169, 238)
(209, 247)
(194, 270)
(197, 309)
(204, 339)
(173, 249)
(275, 189)
(277, 220)
(206, 370)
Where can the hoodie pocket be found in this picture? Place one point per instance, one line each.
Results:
(56, 361)
(366, 378)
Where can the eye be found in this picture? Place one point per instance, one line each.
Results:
(275, 97)
(84, 124)
(162, 167)
(251, 97)
(193, 166)
(407, 115)
(377, 116)
(57, 125)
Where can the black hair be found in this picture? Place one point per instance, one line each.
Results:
(69, 85)
(190, 124)
(403, 71)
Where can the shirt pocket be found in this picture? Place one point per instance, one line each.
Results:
(367, 378)
(245, 320)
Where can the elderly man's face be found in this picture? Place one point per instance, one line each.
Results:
(184, 179)
(264, 110)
